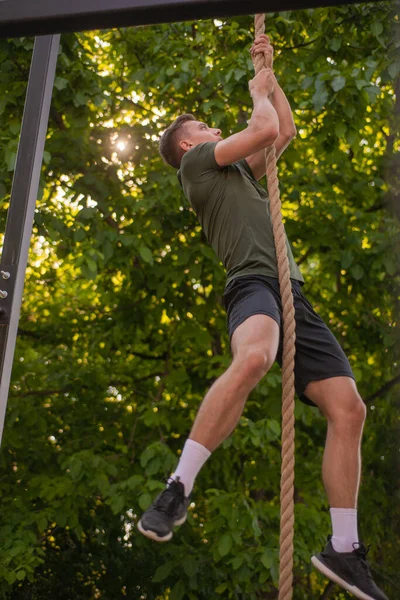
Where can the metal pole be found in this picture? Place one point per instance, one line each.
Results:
(22, 204)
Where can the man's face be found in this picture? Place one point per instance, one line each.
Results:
(196, 132)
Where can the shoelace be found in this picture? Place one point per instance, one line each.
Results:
(361, 552)
(170, 498)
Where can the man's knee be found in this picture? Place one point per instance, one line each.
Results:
(339, 401)
(253, 363)
(349, 411)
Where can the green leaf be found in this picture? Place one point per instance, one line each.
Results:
(60, 83)
(127, 240)
(145, 501)
(134, 482)
(15, 127)
(239, 73)
(338, 83)
(178, 591)
(274, 427)
(335, 44)
(390, 265)
(117, 503)
(376, 28)
(153, 466)
(307, 82)
(394, 69)
(79, 235)
(76, 469)
(163, 571)
(319, 98)
(372, 92)
(256, 527)
(237, 562)
(361, 83)
(80, 99)
(190, 566)
(347, 259)
(11, 158)
(357, 271)
(228, 75)
(349, 110)
(264, 575)
(21, 575)
(3, 104)
(92, 265)
(10, 577)
(220, 589)
(86, 213)
(87, 273)
(340, 129)
(225, 544)
(185, 65)
(42, 523)
(146, 254)
(267, 558)
(147, 455)
(352, 137)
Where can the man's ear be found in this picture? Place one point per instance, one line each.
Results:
(185, 145)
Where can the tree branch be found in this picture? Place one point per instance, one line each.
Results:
(57, 118)
(305, 256)
(299, 45)
(385, 388)
(149, 357)
(39, 393)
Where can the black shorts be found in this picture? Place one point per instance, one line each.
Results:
(318, 353)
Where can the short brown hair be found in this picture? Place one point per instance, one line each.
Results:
(169, 147)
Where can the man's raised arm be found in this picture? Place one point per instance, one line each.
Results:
(262, 129)
(287, 127)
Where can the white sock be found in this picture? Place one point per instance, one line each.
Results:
(193, 457)
(344, 527)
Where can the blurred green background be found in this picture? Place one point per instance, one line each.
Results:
(123, 330)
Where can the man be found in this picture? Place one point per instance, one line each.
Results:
(220, 179)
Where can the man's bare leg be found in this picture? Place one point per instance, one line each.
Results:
(224, 403)
(254, 347)
(339, 401)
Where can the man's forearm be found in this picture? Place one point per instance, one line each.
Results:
(282, 107)
(263, 113)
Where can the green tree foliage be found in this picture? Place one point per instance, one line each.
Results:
(123, 330)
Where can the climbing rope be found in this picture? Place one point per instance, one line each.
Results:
(289, 338)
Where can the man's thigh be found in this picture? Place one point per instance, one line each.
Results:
(334, 395)
(257, 333)
(253, 316)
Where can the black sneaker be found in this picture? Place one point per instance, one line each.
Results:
(169, 509)
(350, 570)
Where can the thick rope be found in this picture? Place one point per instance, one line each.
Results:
(289, 337)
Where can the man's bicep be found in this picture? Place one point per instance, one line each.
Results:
(242, 144)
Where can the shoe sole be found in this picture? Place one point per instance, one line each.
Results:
(353, 589)
(152, 535)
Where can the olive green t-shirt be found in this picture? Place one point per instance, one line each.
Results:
(233, 210)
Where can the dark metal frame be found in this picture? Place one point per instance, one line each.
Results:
(38, 17)
(22, 204)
